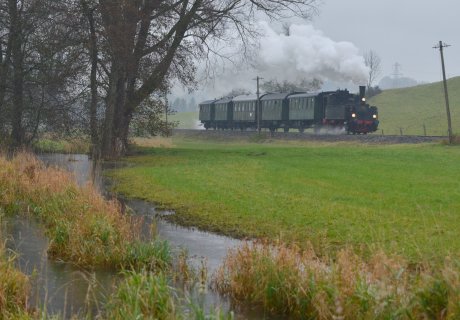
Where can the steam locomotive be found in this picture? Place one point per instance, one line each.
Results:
(332, 109)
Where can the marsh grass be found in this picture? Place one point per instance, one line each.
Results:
(285, 280)
(14, 287)
(148, 295)
(83, 227)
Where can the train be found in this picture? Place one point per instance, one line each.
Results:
(338, 109)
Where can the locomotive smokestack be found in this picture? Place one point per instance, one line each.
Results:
(362, 92)
(362, 95)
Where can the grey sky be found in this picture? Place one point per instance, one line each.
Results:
(402, 31)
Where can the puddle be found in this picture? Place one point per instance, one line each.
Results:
(63, 288)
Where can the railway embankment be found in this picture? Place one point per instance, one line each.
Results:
(296, 136)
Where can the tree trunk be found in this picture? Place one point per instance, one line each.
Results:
(4, 68)
(17, 133)
(95, 145)
(113, 143)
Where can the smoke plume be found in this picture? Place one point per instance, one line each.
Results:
(307, 53)
(304, 54)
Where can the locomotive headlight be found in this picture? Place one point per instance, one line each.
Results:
(363, 99)
(374, 116)
(353, 115)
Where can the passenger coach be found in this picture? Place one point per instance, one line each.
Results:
(333, 109)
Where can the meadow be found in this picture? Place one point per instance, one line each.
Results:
(399, 198)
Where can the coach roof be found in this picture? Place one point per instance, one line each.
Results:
(303, 95)
(224, 100)
(245, 97)
(275, 96)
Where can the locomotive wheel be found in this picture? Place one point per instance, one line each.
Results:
(301, 130)
(286, 129)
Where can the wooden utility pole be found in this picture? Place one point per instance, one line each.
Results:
(258, 111)
(441, 46)
(166, 114)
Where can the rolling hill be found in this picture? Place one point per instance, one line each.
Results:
(412, 108)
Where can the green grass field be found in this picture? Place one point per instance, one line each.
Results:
(403, 198)
(411, 108)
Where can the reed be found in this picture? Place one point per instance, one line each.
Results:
(83, 227)
(147, 295)
(14, 286)
(285, 280)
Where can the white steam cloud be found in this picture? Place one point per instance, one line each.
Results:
(306, 53)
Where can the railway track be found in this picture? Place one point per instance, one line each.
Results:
(326, 137)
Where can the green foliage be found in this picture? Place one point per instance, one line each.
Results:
(411, 108)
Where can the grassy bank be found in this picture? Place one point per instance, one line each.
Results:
(82, 226)
(403, 199)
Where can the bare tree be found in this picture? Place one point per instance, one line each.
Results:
(41, 68)
(150, 42)
(109, 64)
(300, 86)
(372, 61)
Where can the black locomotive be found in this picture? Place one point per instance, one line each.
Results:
(333, 110)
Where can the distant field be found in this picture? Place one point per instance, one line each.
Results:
(411, 108)
(187, 120)
(403, 198)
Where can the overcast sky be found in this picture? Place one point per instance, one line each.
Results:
(402, 31)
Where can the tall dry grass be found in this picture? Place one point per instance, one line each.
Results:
(82, 226)
(297, 283)
(14, 286)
